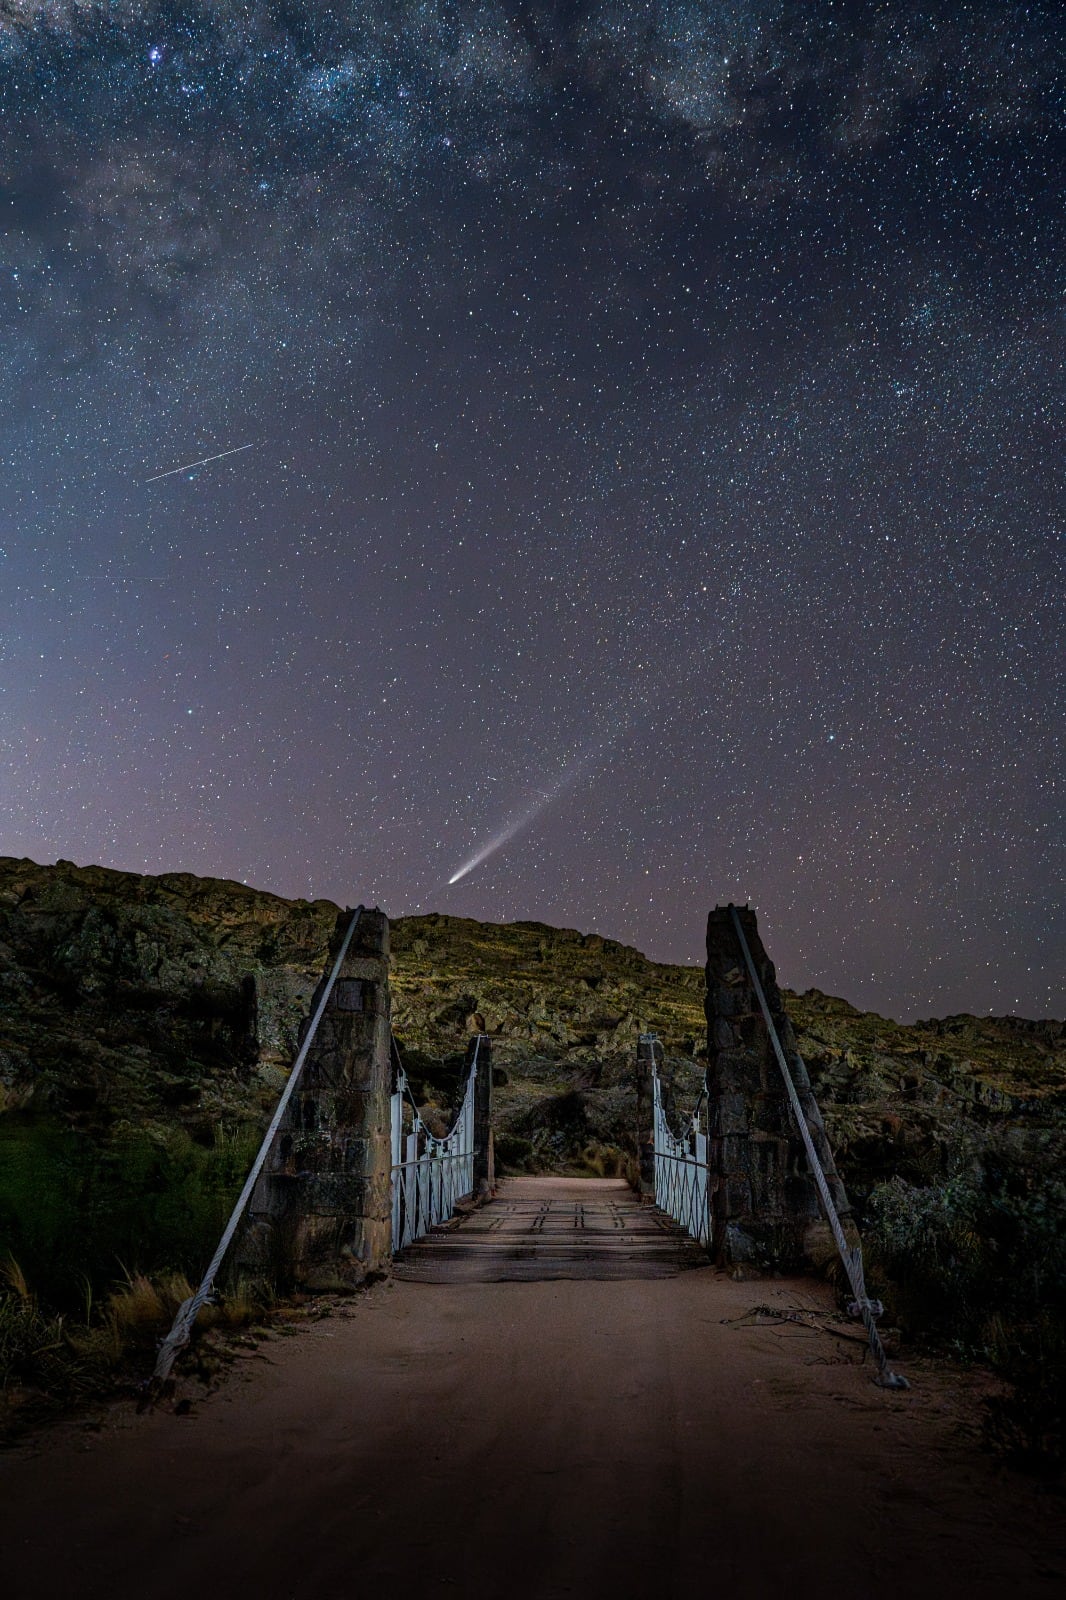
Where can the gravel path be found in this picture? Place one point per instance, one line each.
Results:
(528, 1440)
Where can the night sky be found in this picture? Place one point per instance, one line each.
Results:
(655, 424)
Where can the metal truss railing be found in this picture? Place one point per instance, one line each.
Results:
(429, 1175)
(681, 1168)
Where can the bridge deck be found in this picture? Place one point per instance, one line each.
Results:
(540, 1228)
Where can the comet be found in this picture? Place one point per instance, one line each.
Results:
(543, 799)
(615, 725)
(498, 840)
(190, 465)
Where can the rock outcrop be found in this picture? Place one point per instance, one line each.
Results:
(139, 998)
(156, 1001)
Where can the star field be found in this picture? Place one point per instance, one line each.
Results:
(655, 425)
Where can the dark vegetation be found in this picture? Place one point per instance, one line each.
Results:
(75, 1213)
(976, 1263)
(145, 1025)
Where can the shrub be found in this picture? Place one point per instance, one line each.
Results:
(926, 1242)
(1027, 1425)
(979, 1263)
(75, 1211)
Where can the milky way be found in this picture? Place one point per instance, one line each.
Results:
(698, 359)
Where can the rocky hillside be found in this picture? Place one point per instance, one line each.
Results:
(146, 1025)
(173, 1002)
(137, 999)
(564, 1010)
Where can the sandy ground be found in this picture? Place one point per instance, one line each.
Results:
(533, 1440)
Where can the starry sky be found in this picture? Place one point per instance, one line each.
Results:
(655, 463)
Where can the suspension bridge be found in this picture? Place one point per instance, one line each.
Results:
(349, 1177)
(555, 1391)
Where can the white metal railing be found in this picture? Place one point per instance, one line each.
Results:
(681, 1168)
(429, 1175)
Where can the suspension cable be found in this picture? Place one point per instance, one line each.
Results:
(187, 1312)
(687, 1118)
(402, 1070)
(851, 1258)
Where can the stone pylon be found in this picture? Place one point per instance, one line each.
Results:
(765, 1207)
(320, 1214)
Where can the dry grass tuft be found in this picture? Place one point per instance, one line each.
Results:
(13, 1277)
(141, 1308)
(244, 1302)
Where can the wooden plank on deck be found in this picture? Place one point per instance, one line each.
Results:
(543, 1228)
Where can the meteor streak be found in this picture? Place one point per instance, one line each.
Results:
(189, 465)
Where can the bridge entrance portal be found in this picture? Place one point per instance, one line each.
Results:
(349, 1176)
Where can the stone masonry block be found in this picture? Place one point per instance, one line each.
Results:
(349, 994)
(321, 1208)
(733, 1114)
(765, 1196)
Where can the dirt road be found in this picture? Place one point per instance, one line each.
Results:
(525, 1441)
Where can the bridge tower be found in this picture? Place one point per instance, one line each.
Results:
(765, 1206)
(320, 1213)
